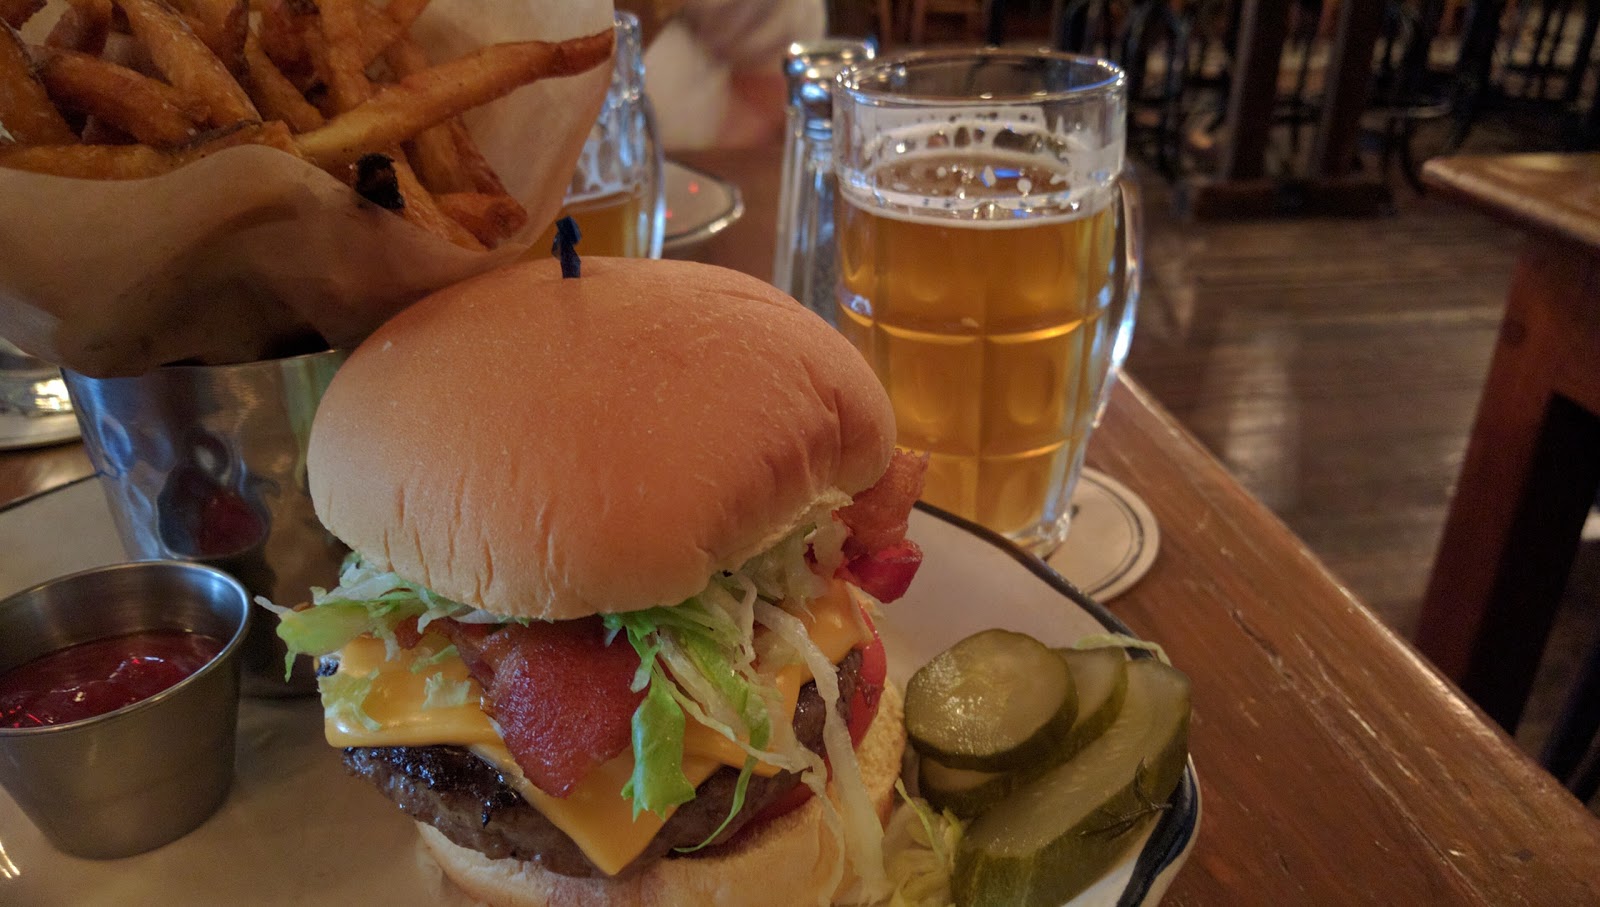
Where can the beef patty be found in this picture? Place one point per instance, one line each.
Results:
(469, 801)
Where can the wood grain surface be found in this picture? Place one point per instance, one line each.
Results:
(1550, 195)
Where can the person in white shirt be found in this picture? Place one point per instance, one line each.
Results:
(715, 71)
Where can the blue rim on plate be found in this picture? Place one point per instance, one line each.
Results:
(1175, 832)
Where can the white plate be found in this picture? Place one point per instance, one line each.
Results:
(699, 206)
(296, 829)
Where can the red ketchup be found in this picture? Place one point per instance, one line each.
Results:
(100, 676)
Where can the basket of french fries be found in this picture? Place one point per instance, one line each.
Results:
(223, 181)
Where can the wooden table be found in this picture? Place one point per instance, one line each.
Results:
(1533, 459)
(1336, 766)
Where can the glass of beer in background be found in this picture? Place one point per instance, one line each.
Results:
(618, 195)
(985, 266)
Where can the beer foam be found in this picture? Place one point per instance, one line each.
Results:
(983, 166)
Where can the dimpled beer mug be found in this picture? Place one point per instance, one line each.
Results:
(618, 194)
(987, 266)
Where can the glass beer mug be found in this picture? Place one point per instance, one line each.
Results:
(618, 192)
(986, 249)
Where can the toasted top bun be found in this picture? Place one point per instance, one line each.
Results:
(556, 448)
(786, 863)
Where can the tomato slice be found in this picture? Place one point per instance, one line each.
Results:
(869, 684)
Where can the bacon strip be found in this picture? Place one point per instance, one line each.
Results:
(877, 517)
(558, 691)
(878, 557)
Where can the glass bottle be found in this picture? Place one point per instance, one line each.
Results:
(804, 265)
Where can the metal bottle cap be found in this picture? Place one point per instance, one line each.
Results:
(810, 67)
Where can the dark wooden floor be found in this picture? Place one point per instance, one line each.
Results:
(1334, 366)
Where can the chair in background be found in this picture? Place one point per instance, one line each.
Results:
(1406, 90)
(974, 16)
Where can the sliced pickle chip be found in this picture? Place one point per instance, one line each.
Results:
(1101, 676)
(994, 701)
(963, 791)
(1052, 837)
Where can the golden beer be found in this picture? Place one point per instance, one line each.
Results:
(616, 190)
(989, 329)
(611, 224)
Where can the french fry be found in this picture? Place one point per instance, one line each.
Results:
(335, 48)
(480, 173)
(186, 62)
(83, 27)
(450, 164)
(377, 32)
(274, 95)
(336, 53)
(125, 162)
(433, 150)
(279, 30)
(90, 162)
(222, 25)
(152, 112)
(16, 12)
(490, 218)
(26, 113)
(404, 12)
(402, 109)
(421, 209)
(288, 23)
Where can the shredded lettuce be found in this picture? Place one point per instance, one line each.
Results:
(920, 850)
(658, 782)
(782, 572)
(344, 697)
(367, 601)
(440, 692)
(862, 834)
(1119, 641)
(694, 661)
(423, 663)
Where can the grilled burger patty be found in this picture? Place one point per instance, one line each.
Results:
(469, 801)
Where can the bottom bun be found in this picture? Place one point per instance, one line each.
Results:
(787, 862)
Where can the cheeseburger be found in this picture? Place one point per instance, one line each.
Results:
(605, 632)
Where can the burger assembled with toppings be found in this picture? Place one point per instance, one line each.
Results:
(606, 633)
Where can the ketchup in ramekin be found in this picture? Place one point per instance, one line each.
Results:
(100, 676)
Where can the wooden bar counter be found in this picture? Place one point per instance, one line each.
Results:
(1336, 766)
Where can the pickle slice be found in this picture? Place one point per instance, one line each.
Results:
(1101, 676)
(1101, 679)
(963, 791)
(1051, 838)
(994, 701)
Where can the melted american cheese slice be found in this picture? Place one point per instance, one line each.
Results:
(595, 815)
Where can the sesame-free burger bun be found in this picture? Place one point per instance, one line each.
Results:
(786, 863)
(553, 448)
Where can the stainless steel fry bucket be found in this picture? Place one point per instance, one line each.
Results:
(207, 464)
